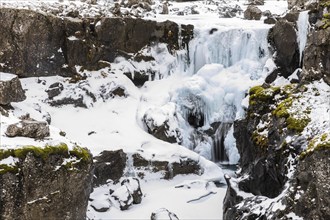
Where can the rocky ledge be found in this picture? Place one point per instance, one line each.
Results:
(45, 183)
(57, 45)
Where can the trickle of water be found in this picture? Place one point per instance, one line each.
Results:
(219, 151)
(129, 170)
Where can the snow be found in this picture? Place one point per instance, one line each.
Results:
(6, 76)
(9, 161)
(166, 194)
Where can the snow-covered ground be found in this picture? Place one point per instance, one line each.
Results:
(224, 65)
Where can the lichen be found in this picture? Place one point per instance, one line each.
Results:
(320, 142)
(4, 168)
(281, 110)
(42, 153)
(260, 140)
(297, 124)
(81, 153)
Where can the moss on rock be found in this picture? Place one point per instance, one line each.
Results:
(320, 142)
(260, 94)
(77, 155)
(260, 140)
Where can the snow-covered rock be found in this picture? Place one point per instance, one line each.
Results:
(10, 89)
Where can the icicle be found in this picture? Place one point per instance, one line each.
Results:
(303, 29)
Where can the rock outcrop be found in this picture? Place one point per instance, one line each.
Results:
(317, 56)
(283, 40)
(109, 165)
(45, 183)
(10, 89)
(276, 158)
(56, 45)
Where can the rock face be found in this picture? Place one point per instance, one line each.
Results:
(312, 181)
(252, 13)
(317, 56)
(283, 39)
(28, 49)
(56, 45)
(275, 167)
(40, 184)
(10, 89)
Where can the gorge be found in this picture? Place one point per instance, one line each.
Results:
(165, 103)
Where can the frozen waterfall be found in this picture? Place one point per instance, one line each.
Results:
(224, 63)
(303, 28)
(206, 85)
(244, 47)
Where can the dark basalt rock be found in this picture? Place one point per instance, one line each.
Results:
(45, 189)
(312, 185)
(76, 102)
(109, 165)
(230, 200)
(186, 166)
(29, 49)
(11, 91)
(139, 77)
(56, 45)
(54, 90)
(317, 56)
(283, 39)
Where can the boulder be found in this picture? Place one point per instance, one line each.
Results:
(252, 13)
(10, 89)
(128, 193)
(28, 128)
(41, 184)
(133, 186)
(109, 165)
(54, 90)
(283, 39)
